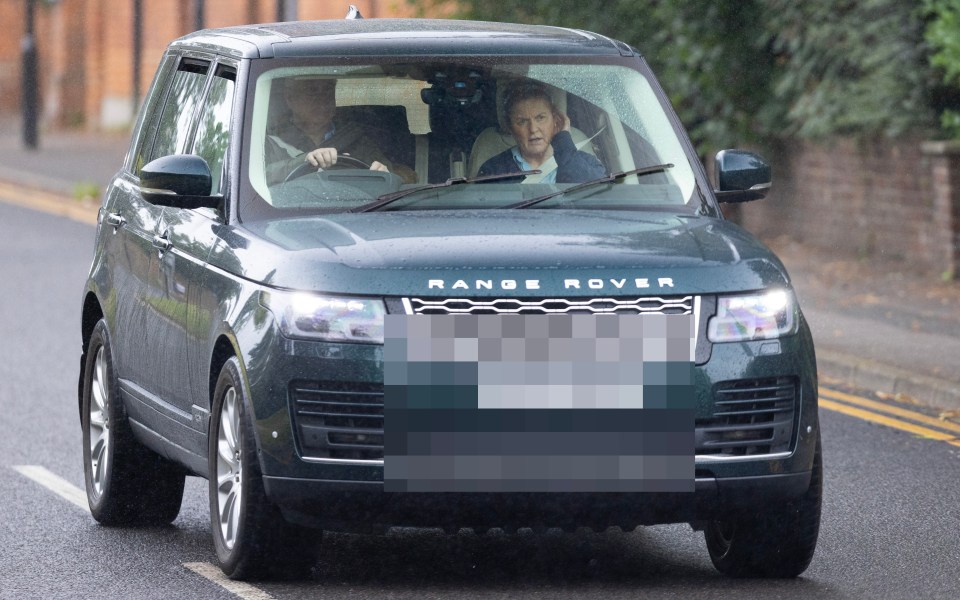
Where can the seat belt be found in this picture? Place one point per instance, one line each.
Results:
(288, 148)
(550, 165)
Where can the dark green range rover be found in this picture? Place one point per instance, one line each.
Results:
(372, 273)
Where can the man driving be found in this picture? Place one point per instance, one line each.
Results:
(310, 134)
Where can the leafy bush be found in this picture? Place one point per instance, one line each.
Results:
(943, 35)
(746, 71)
(850, 66)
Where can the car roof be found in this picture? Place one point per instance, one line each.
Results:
(360, 37)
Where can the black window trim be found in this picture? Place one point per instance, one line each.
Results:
(211, 65)
(145, 132)
(218, 67)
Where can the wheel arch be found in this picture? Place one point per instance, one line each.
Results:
(89, 317)
(223, 350)
(92, 313)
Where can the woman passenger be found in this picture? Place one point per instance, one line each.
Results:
(542, 133)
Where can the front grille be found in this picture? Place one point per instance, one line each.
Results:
(682, 305)
(337, 420)
(751, 416)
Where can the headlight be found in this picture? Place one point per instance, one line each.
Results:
(328, 318)
(756, 317)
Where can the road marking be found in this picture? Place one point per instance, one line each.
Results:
(891, 410)
(866, 415)
(238, 588)
(55, 484)
(78, 497)
(54, 204)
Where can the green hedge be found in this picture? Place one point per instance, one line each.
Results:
(747, 71)
(943, 36)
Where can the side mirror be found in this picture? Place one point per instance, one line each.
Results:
(178, 180)
(741, 176)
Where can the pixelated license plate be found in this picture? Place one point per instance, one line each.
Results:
(539, 403)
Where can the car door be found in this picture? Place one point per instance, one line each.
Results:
(127, 226)
(191, 235)
(162, 304)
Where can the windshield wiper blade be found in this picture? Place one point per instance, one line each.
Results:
(605, 179)
(386, 199)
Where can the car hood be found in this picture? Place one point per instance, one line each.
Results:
(436, 253)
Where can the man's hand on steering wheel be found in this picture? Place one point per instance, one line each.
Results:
(324, 158)
(340, 161)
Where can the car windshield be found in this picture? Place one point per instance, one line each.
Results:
(338, 137)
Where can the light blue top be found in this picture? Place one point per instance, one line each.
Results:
(550, 177)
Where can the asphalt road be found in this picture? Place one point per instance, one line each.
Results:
(891, 523)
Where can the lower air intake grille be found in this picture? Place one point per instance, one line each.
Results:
(338, 420)
(751, 416)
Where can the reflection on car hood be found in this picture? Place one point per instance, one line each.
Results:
(399, 253)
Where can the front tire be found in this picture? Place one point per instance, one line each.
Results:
(251, 537)
(127, 484)
(777, 543)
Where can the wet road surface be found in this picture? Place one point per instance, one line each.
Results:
(891, 515)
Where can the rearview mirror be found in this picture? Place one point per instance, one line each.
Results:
(741, 176)
(178, 180)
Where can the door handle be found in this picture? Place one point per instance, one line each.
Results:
(116, 220)
(161, 243)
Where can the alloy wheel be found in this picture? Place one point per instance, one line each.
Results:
(99, 423)
(229, 468)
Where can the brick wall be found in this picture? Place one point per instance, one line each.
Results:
(85, 49)
(886, 200)
(10, 12)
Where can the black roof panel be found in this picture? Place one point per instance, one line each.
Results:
(401, 36)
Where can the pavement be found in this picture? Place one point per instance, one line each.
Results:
(878, 324)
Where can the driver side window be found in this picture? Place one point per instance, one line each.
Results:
(186, 91)
(213, 130)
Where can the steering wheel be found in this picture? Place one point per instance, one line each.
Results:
(344, 161)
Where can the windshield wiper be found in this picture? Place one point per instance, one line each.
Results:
(605, 179)
(386, 199)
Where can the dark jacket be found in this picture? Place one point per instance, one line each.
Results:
(348, 138)
(573, 166)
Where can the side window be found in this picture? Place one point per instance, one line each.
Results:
(213, 131)
(146, 127)
(182, 101)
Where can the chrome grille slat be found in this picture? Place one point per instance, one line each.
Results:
(640, 305)
(757, 411)
(356, 430)
(749, 426)
(759, 392)
(318, 404)
(737, 444)
(337, 415)
(738, 403)
(335, 393)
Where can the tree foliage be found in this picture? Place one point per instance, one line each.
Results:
(850, 66)
(742, 71)
(943, 35)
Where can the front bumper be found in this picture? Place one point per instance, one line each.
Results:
(364, 507)
(347, 493)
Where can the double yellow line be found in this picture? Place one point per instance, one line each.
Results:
(900, 418)
(48, 202)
